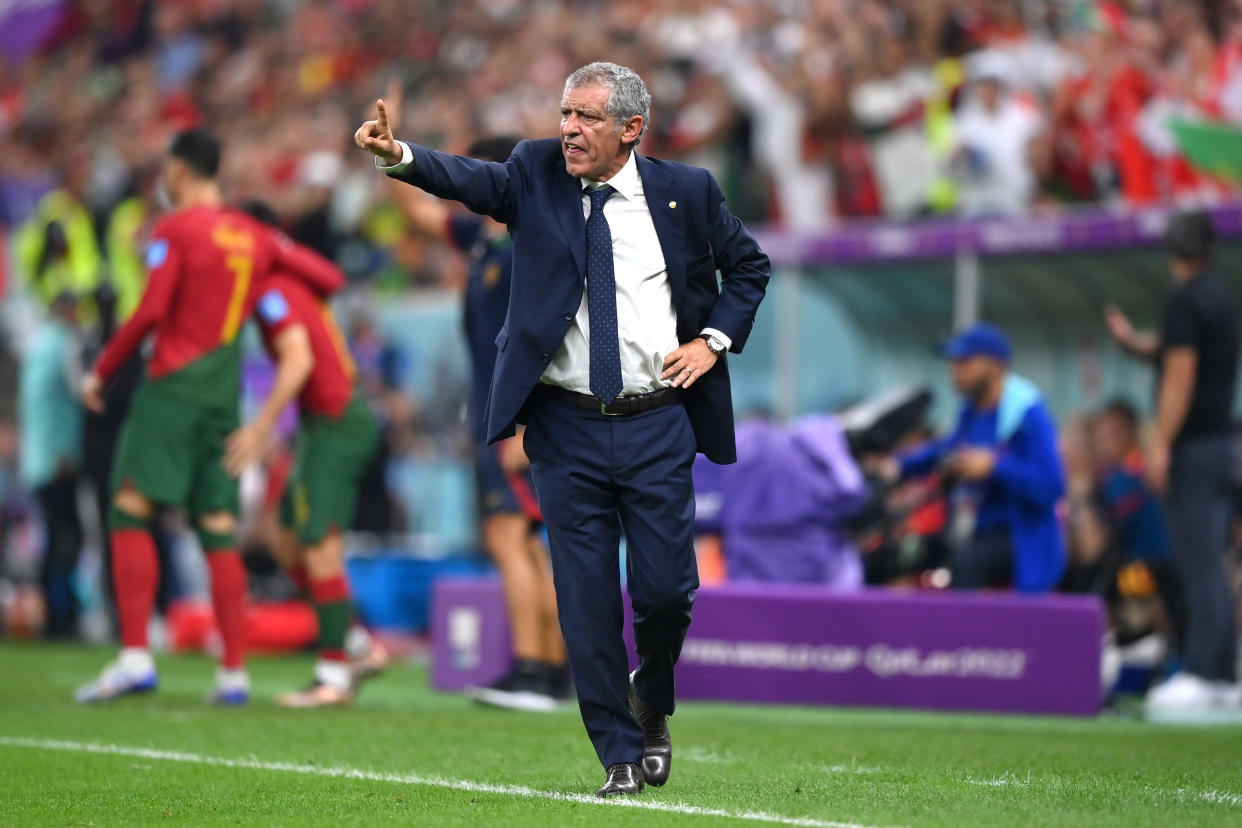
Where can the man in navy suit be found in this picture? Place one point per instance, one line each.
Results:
(612, 354)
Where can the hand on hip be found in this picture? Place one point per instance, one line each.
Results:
(689, 362)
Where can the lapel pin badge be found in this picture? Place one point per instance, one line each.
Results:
(672, 205)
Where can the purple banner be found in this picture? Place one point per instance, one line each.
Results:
(1060, 232)
(258, 377)
(799, 645)
(26, 24)
(470, 632)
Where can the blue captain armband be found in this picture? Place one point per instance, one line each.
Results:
(273, 307)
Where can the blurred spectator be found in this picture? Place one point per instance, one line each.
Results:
(126, 234)
(995, 133)
(1136, 515)
(800, 109)
(1091, 559)
(1134, 509)
(380, 367)
(1193, 458)
(1095, 108)
(1002, 463)
(781, 511)
(51, 454)
(891, 106)
(57, 249)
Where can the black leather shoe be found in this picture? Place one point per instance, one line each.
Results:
(657, 746)
(625, 778)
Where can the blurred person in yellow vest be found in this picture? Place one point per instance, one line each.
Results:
(123, 245)
(57, 249)
(125, 238)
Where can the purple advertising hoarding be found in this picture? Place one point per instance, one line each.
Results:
(799, 645)
(470, 632)
(1049, 232)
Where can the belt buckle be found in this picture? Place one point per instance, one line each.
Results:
(603, 409)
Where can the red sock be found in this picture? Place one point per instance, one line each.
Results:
(333, 611)
(228, 598)
(135, 576)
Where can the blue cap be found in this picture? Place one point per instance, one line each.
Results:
(982, 339)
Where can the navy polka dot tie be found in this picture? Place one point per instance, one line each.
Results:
(602, 300)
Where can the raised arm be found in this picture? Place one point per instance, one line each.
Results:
(1144, 345)
(485, 187)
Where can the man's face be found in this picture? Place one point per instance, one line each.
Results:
(590, 140)
(1113, 439)
(972, 375)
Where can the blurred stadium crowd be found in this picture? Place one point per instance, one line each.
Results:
(809, 114)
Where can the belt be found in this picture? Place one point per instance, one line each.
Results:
(620, 407)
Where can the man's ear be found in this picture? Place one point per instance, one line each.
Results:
(632, 130)
(174, 170)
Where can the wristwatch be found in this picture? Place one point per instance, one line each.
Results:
(714, 343)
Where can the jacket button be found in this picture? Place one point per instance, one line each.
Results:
(568, 317)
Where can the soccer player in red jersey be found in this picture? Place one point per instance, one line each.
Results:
(337, 437)
(206, 265)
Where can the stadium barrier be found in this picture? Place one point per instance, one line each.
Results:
(780, 644)
(852, 310)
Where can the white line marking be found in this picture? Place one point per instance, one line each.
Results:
(1056, 783)
(1216, 797)
(416, 779)
(999, 781)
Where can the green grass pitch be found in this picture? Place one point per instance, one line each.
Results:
(406, 755)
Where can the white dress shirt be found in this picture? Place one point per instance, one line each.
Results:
(646, 320)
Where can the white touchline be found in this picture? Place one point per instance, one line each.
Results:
(415, 779)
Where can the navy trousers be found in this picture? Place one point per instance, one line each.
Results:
(598, 476)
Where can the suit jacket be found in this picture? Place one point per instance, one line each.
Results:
(542, 204)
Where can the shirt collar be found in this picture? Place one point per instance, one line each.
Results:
(626, 182)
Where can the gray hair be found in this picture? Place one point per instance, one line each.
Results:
(628, 95)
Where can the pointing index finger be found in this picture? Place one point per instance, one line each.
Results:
(383, 115)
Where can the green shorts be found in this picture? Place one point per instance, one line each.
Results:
(172, 451)
(332, 456)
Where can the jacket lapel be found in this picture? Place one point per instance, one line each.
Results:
(567, 201)
(666, 215)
